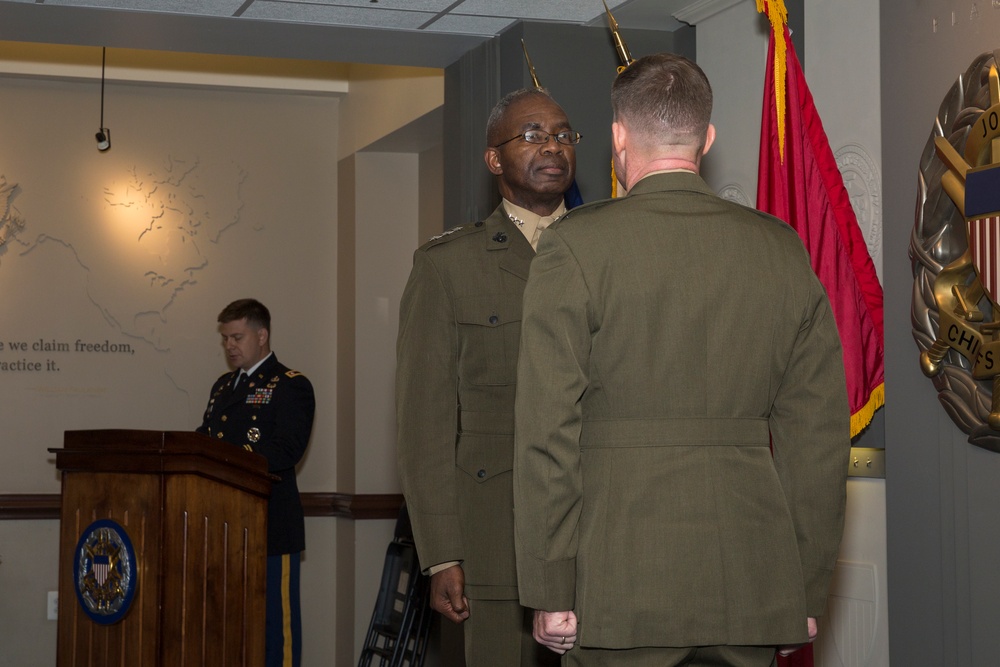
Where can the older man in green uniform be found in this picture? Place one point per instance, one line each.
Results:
(459, 333)
(669, 338)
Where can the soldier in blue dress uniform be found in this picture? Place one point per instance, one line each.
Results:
(267, 408)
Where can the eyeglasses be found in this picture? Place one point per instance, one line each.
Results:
(567, 138)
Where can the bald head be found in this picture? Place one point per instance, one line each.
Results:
(495, 123)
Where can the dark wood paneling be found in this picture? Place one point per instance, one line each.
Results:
(358, 507)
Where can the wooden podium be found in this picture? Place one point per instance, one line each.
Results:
(162, 550)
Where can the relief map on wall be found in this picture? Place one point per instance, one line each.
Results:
(178, 227)
(159, 227)
(115, 264)
(11, 222)
(170, 228)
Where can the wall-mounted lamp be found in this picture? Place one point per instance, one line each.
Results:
(103, 135)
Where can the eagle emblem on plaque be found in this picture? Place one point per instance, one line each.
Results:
(955, 250)
(104, 572)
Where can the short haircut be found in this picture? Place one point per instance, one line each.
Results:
(253, 311)
(495, 122)
(664, 98)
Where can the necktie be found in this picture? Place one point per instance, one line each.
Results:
(542, 224)
(239, 378)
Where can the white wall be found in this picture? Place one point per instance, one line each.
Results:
(194, 205)
(732, 49)
(28, 553)
(387, 208)
(209, 193)
(384, 99)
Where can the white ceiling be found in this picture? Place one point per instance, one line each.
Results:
(467, 17)
(429, 33)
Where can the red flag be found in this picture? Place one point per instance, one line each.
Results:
(801, 658)
(803, 186)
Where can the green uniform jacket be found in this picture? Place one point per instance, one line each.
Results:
(666, 337)
(456, 363)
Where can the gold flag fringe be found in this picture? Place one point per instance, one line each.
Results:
(778, 16)
(863, 417)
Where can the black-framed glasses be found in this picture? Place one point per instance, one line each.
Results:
(566, 137)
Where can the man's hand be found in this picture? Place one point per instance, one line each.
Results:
(785, 651)
(555, 630)
(448, 594)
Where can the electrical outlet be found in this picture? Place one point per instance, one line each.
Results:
(53, 609)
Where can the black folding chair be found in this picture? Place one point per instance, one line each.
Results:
(401, 622)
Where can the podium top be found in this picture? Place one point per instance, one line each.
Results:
(163, 453)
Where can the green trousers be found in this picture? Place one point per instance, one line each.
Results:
(498, 634)
(704, 656)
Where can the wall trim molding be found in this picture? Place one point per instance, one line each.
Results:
(698, 11)
(19, 506)
(354, 506)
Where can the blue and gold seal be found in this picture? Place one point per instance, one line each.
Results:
(104, 572)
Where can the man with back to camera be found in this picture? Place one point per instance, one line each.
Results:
(267, 408)
(668, 338)
(457, 349)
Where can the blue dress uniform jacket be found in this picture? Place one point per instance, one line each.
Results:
(271, 414)
(456, 364)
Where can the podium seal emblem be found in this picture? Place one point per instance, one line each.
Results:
(104, 572)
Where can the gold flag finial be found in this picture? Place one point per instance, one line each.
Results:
(531, 68)
(620, 46)
(626, 59)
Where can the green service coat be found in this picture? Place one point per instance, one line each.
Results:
(456, 365)
(666, 337)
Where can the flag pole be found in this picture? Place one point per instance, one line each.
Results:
(572, 197)
(626, 59)
(531, 68)
(620, 46)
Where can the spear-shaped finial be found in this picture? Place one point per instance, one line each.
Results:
(531, 68)
(620, 46)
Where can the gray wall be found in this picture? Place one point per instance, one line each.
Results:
(942, 494)
(577, 64)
